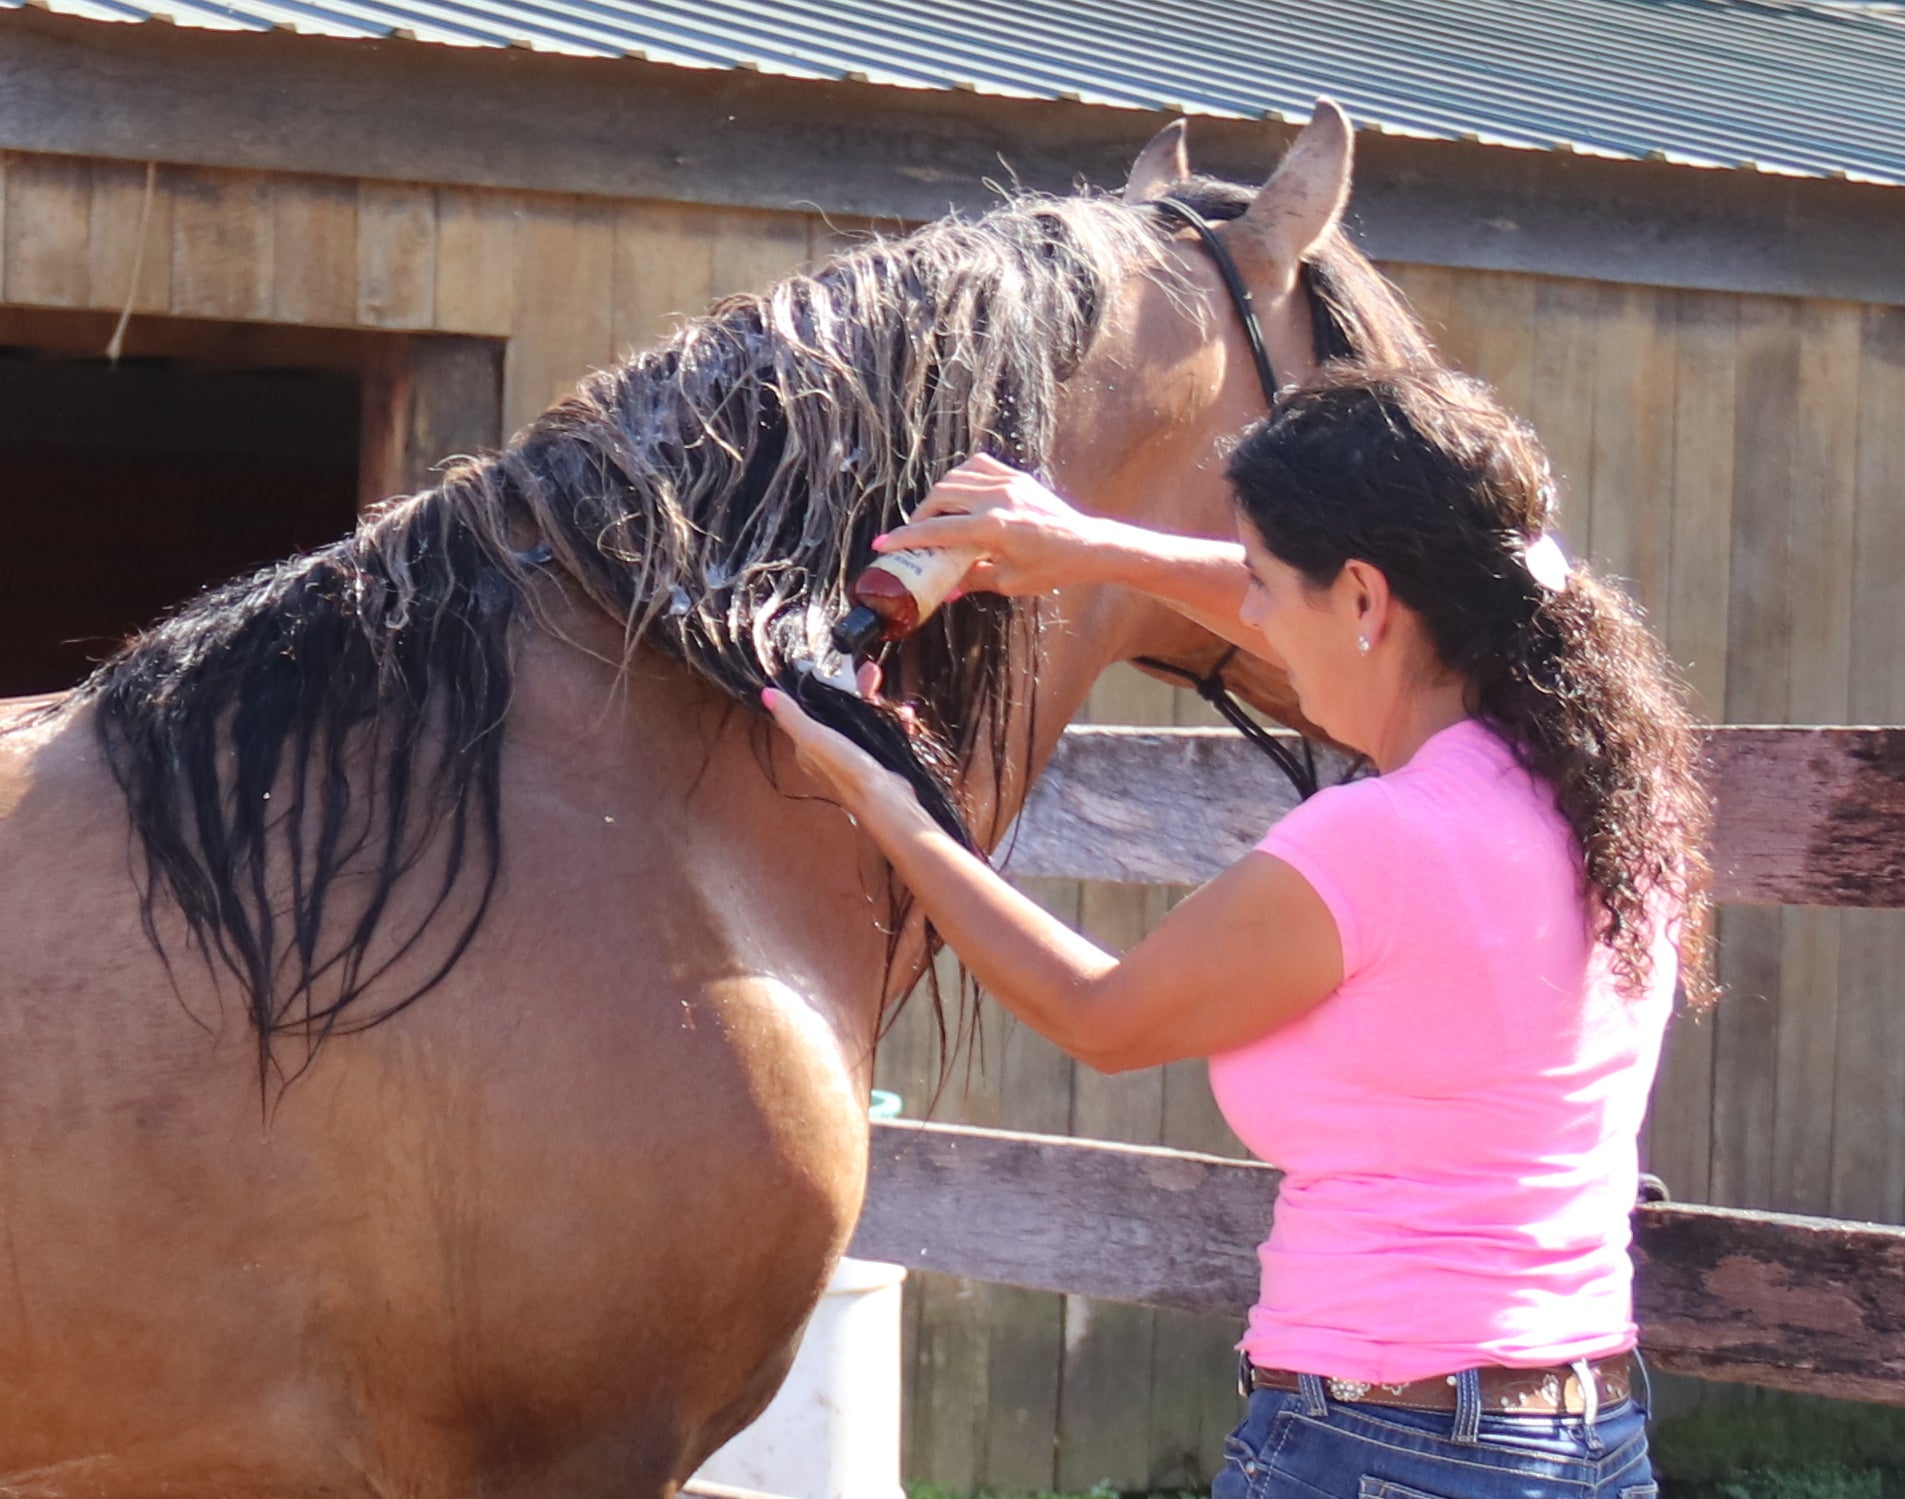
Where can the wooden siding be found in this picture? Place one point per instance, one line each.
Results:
(1738, 457)
(570, 282)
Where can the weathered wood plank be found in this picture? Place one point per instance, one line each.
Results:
(664, 270)
(1629, 485)
(396, 255)
(562, 311)
(314, 273)
(1867, 1097)
(1693, 623)
(752, 250)
(1773, 1299)
(1823, 504)
(1025, 1330)
(426, 399)
(476, 261)
(1759, 656)
(119, 209)
(47, 202)
(1568, 317)
(1105, 1400)
(1122, 1222)
(1788, 1302)
(222, 238)
(1806, 816)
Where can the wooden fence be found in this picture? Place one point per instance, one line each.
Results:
(1804, 817)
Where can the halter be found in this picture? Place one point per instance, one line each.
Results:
(1210, 686)
(1235, 285)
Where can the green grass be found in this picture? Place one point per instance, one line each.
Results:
(1783, 1447)
(1768, 1447)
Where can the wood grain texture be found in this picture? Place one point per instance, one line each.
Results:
(1561, 387)
(1867, 1098)
(396, 255)
(1629, 484)
(426, 399)
(1787, 1302)
(664, 270)
(1805, 816)
(476, 261)
(222, 243)
(561, 318)
(119, 207)
(48, 202)
(1126, 1223)
(1774, 1299)
(315, 269)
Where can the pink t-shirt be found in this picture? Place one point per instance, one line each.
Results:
(1458, 1121)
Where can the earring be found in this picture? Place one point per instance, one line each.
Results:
(1362, 645)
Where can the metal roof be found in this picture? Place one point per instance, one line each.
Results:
(1804, 87)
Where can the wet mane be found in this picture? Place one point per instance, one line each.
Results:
(714, 494)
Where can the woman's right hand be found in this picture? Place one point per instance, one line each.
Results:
(1028, 539)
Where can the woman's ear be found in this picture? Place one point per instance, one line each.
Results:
(1369, 598)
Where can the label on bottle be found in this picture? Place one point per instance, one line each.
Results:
(928, 575)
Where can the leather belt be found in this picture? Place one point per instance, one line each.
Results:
(1544, 1392)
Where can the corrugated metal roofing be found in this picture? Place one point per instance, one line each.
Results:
(1808, 87)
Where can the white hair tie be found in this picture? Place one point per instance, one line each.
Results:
(1547, 564)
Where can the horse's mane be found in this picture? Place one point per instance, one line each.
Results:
(714, 494)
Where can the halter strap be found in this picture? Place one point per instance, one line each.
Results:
(1210, 686)
(1234, 284)
(1298, 767)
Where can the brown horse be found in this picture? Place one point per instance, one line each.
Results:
(436, 1019)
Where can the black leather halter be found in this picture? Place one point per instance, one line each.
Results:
(1300, 767)
(1234, 284)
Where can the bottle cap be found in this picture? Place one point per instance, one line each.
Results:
(856, 630)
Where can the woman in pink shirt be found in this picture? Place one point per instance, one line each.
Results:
(1434, 997)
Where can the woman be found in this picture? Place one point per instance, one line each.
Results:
(1435, 997)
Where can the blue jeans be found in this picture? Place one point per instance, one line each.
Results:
(1305, 1445)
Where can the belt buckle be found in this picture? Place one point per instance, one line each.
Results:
(1245, 1387)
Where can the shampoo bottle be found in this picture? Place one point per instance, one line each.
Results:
(896, 594)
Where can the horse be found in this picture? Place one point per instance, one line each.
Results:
(437, 1016)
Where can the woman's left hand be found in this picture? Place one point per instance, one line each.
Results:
(854, 776)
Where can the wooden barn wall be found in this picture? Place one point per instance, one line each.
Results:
(1739, 459)
(568, 281)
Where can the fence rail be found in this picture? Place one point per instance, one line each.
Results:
(1805, 817)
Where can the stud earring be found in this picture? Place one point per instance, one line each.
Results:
(1362, 645)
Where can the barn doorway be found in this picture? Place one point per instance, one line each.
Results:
(204, 453)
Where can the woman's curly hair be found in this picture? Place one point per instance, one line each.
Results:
(1423, 474)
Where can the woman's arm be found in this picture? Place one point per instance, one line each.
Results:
(1031, 541)
(1246, 954)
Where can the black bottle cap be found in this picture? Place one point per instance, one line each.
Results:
(856, 630)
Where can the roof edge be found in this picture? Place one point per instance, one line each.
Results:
(404, 111)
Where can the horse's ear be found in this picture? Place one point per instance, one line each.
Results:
(1304, 198)
(1160, 166)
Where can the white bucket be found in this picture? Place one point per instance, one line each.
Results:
(833, 1430)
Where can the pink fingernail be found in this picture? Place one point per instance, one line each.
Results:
(955, 595)
(768, 697)
(879, 542)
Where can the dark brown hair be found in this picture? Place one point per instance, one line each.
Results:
(1423, 474)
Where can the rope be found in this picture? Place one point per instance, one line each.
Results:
(1299, 769)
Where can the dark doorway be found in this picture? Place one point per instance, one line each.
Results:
(124, 490)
